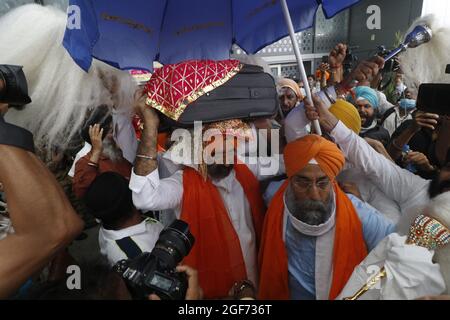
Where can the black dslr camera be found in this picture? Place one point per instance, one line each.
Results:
(13, 86)
(155, 272)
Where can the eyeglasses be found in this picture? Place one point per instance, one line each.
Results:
(307, 185)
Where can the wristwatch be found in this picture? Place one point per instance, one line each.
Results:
(244, 289)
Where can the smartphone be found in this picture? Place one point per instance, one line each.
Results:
(325, 59)
(434, 98)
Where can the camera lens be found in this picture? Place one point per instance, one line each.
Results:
(174, 243)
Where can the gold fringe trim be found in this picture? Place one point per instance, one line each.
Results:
(175, 115)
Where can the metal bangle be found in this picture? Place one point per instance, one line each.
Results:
(143, 156)
(325, 91)
(92, 164)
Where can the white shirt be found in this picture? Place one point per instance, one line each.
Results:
(144, 234)
(383, 104)
(372, 194)
(152, 193)
(408, 190)
(84, 151)
(395, 120)
(411, 273)
(296, 122)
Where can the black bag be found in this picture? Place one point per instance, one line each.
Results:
(249, 95)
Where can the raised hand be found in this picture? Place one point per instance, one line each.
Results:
(337, 56)
(145, 112)
(96, 135)
(425, 120)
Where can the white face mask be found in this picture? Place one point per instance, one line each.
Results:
(400, 87)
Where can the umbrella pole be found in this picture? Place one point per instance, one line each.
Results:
(298, 55)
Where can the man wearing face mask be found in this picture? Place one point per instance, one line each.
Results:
(400, 113)
(399, 86)
(365, 99)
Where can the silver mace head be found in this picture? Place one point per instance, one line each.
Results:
(420, 35)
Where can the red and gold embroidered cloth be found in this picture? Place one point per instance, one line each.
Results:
(173, 87)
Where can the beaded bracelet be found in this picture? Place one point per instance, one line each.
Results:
(428, 233)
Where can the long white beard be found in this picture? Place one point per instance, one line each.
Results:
(427, 63)
(61, 91)
(111, 150)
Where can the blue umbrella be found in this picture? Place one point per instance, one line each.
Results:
(132, 34)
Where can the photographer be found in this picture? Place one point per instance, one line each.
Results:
(13, 94)
(99, 282)
(43, 220)
(194, 291)
(427, 136)
(124, 233)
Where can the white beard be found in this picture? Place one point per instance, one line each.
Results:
(427, 63)
(61, 91)
(111, 151)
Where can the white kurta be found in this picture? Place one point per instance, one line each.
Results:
(395, 120)
(372, 194)
(152, 193)
(411, 273)
(408, 190)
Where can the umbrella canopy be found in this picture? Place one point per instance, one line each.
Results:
(132, 34)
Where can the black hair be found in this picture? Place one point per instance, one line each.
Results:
(437, 186)
(100, 115)
(109, 199)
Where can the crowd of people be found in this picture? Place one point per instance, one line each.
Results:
(312, 218)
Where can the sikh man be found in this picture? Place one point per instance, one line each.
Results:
(314, 234)
(289, 94)
(295, 127)
(365, 99)
(223, 204)
(104, 156)
(411, 192)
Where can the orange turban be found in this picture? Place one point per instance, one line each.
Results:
(298, 153)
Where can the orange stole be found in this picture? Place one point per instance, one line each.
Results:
(217, 253)
(349, 248)
(162, 140)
